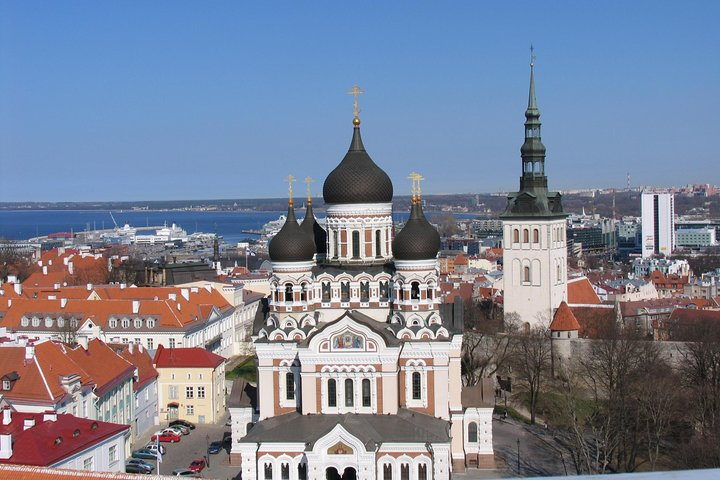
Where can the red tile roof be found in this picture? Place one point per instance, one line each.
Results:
(186, 357)
(564, 320)
(39, 444)
(580, 292)
(141, 359)
(106, 367)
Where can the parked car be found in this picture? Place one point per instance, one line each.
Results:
(156, 447)
(178, 429)
(166, 437)
(197, 465)
(141, 465)
(145, 454)
(184, 423)
(215, 447)
(184, 472)
(131, 468)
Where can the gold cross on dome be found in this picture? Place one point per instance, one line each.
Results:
(290, 179)
(308, 181)
(355, 91)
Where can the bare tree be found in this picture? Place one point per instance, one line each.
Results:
(531, 363)
(486, 349)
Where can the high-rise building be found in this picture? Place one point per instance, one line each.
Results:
(534, 237)
(658, 223)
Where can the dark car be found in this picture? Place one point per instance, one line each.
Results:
(141, 465)
(215, 447)
(145, 454)
(132, 468)
(184, 423)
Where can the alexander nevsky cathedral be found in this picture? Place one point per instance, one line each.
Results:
(359, 371)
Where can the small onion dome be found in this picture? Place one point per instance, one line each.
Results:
(357, 179)
(418, 240)
(311, 227)
(291, 243)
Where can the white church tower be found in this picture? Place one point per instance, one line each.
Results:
(534, 241)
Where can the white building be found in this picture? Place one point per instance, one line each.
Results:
(658, 223)
(695, 237)
(534, 236)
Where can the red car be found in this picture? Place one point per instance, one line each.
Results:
(197, 465)
(166, 437)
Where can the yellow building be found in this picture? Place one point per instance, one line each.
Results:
(191, 384)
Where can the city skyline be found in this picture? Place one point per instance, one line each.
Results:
(102, 102)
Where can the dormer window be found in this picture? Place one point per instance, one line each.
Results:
(60, 322)
(48, 322)
(6, 385)
(125, 323)
(151, 323)
(138, 323)
(113, 322)
(24, 321)
(73, 322)
(35, 322)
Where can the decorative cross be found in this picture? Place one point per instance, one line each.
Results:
(290, 179)
(308, 181)
(416, 178)
(532, 56)
(355, 92)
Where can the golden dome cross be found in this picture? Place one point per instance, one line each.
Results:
(355, 91)
(416, 179)
(308, 181)
(290, 179)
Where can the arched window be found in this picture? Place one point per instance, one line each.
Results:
(536, 235)
(526, 238)
(526, 274)
(336, 247)
(325, 291)
(303, 292)
(355, 244)
(349, 393)
(422, 471)
(404, 471)
(472, 432)
(288, 292)
(387, 471)
(415, 291)
(378, 244)
(284, 471)
(365, 392)
(302, 471)
(516, 235)
(416, 386)
(364, 291)
(345, 291)
(332, 393)
(289, 386)
(268, 471)
(384, 291)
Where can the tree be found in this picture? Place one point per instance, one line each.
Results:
(14, 263)
(531, 363)
(486, 349)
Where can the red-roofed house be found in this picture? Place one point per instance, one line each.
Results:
(581, 292)
(62, 441)
(191, 384)
(145, 387)
(563, 329)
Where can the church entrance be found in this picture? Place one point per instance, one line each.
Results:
(349, 473)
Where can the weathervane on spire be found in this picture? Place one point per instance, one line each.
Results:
(532, 56)
(355, 91)
(308, 181)
(290, 179)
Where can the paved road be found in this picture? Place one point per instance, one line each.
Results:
(179, 455)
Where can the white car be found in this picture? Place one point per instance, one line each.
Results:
(177, 430)
(155, 447)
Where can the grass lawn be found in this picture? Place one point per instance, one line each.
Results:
(246, 369)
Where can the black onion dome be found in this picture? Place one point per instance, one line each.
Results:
(311, 227)
(357, 179)
(291, 243)
(418, 240)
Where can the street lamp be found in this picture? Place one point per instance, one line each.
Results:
(518, 455)
(207, 450)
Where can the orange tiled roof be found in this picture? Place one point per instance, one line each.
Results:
(142, 360)
(580, 292)
(564, 320)
(103, 364)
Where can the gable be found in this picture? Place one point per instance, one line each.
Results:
(347, 335)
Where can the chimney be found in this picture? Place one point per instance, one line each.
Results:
(50, 415)
(63, 302)
(56, 286)
(29, 352)
(136, 306)
(140, 347)
(179, 307)
(44, 269)
(89, 286)
(7, 416)
(28, 423)
(123, 286)
(71, 268)
(65, 260)
(18, 288)
(185, 293)
(5, 446)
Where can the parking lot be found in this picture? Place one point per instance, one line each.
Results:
(179, 455)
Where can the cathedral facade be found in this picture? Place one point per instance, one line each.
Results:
(359, 371)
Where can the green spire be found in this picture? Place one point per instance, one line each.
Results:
(532, 110)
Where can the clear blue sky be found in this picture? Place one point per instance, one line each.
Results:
(155, 100)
